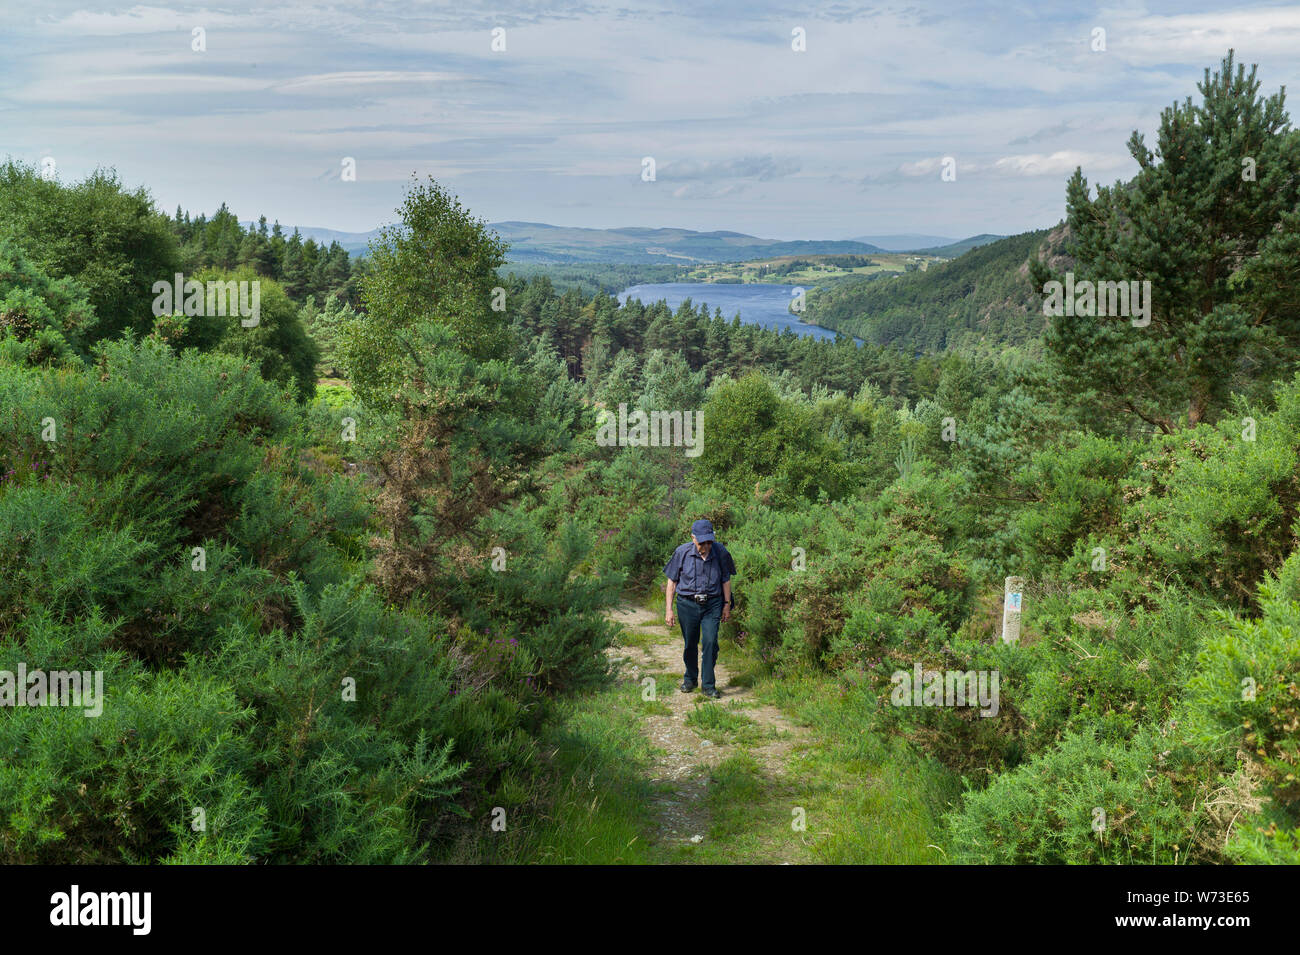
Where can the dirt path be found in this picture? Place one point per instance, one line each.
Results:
(689, 740)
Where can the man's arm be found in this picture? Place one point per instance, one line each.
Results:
(673, 570)
(728, 567)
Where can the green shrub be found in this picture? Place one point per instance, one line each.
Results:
(111, 240)
(1076, 486)
(1048, 811)
(1243, 712)
(1216, 511)
(261, 679)
(47, 317)
(756, 441)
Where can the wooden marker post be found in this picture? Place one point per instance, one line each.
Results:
(1012, 594)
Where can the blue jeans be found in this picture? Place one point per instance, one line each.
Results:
(700, 621)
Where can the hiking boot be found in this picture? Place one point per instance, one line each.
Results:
(687, 686)
(711, 693)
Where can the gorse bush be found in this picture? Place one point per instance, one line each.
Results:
(223, 679)
(847, 585)
(229, 682)
(42, 319)
(1243, 704)
(1203, 770)
(756, 441)
(1140, 662)
(1083, 801)
(1078, 490)
(1218, 506)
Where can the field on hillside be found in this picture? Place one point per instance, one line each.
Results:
(810, 269)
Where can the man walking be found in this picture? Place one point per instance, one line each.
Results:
(699, 588)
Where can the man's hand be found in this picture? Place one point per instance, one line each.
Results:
(669, 617)
(726, 612)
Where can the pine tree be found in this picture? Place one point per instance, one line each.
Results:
(623, 382)
(248, 250)
(294, 267)
(277, 244)
(1212, 221)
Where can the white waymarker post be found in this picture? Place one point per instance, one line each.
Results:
(1011, 598)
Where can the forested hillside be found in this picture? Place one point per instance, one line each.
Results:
(592, 277)
(980, 301)
(368, 621)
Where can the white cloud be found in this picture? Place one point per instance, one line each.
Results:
(1205, 36)
(361, 78)
(929, 166)
(138, 19)
(1059, 164)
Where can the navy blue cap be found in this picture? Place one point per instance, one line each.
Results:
(702, 530)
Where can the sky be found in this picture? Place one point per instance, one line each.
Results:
(547, 112)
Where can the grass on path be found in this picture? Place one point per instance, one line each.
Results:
(845, 794)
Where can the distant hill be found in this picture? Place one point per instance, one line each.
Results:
(983, 298)
(538, 242)
(954, 249)
(906, 242)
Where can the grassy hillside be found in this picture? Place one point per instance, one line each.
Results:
(809, 269)
(982, 298)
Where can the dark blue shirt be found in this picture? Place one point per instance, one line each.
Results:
(695, 575)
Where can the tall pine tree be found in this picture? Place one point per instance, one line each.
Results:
(1212, 221)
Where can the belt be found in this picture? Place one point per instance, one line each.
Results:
(699, 598)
